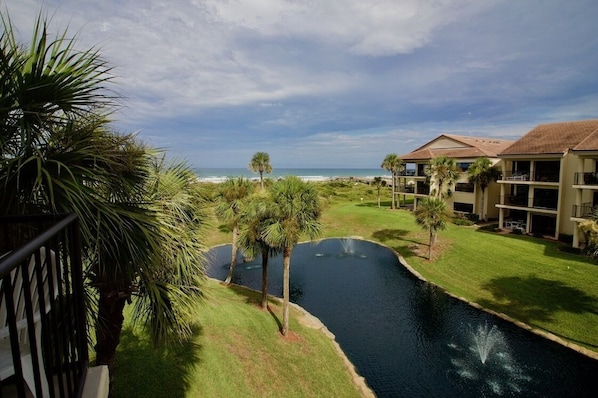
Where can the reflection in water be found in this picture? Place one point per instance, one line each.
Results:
(408, 338)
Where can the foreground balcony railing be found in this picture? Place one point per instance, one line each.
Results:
(43, 340)
(585, 179)
(585, 210)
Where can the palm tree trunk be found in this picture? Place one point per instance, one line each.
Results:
(483, 216)
(286, 291)
(265, 278)
(430, 245)
(392, 205)
(233, 260)
(109, 325)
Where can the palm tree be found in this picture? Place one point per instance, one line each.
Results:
(394, 164)
(174, 280)
(231, 198)
(58, 155)
(378, 183)
(444, 171)
(433, 215)
(482, 173)
(257, 215)
(296, 209)
(260, 163)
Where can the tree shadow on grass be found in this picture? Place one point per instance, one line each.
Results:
(253, 297)
(145, 371)
(512, 296)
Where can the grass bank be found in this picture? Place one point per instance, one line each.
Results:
(236, 352)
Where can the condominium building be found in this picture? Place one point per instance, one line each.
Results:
(465, 197)
(549, 179)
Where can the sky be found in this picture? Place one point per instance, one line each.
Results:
(331, 83)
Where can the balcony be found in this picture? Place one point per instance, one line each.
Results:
(43, 338)
(585, 179)
(585, 210)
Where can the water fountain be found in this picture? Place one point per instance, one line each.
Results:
(485, 338)
(348, 245)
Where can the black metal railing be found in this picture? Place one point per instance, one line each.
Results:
(585, 179)
(545, 203)
(585, 210)
(42, 310)
(516, 200)
(546, 176)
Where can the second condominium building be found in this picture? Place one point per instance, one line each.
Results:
(549, 180)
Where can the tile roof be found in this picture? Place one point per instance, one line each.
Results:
(556, 138)
(465, 147)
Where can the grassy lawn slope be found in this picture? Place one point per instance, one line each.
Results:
(237, 352)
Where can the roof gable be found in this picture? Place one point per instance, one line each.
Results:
(459, 147)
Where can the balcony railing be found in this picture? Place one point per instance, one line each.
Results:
(515, 176)
(538, 176)
(406, 189)
(545, 203)
(516, 200)
(43, 339)
(585, 179)
(585, 210)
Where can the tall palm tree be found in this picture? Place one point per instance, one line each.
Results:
(433, 215)
(444, 171)
(296, 210)
(394, 164)
(231, 197)
(58, 155)
(257, 215)
(260, 163)
(482, 173)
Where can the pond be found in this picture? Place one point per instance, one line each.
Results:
(408, 338)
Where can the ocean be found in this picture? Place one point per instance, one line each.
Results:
(308, 174)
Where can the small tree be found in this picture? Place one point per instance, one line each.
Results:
(230, 199)
(260, 163)
(378, 183)
(296, 209)
(482, 173)
(433, 215)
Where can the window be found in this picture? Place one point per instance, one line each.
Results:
(463, 207)
(464, 187)
(463, 166)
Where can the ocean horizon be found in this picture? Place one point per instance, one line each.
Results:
(308, 174)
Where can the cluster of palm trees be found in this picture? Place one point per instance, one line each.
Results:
(269, 221)
(142, 219)
(432, 212)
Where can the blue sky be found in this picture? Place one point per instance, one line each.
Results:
(332, 83)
